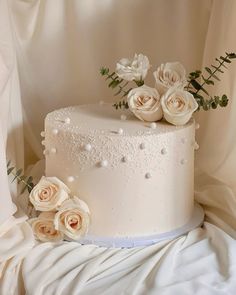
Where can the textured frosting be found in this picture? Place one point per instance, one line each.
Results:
(136, 177)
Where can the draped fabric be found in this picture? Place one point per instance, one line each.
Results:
(50, 55)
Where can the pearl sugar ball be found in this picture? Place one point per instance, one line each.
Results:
(70, 178)
(53, 150)
(88, 147)
(55, 131)
(153, 125)
(104, 163)
(120, 131)
(67, 120)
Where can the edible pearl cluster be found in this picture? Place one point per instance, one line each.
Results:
(104, 163)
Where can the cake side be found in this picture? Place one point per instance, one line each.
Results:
(137, 178)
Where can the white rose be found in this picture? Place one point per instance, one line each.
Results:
(44, 229)
(169, 75)
(145, 103)
(133, 69)
(178, 106)
(49, 194)
(73, 218)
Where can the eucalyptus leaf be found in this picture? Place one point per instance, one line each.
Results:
(9, 170)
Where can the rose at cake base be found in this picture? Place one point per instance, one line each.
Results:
(136, 177)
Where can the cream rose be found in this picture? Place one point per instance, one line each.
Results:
(73, 218)
(49, 194)
(133, 69)
(169, 75)
(44, 229)
(145, 103)
(178, 106)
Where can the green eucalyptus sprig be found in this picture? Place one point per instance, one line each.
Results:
(198, 80)
(116, 82)
(26, 181)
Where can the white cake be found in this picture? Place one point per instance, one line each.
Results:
(136, 177)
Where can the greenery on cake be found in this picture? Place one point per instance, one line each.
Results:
(25, 181)
(175, 95)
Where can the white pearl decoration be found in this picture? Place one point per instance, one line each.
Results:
(70, 178)
(142, 146)
(163, 151)
(183, 161)
(88, 147)
(196, 146)
(45, 152)
(42, 133)
(43, 142)
(55, 131)
(120, 131)
(53, 150)
(197, 126)
(153, 125)
(123, 117)
(126, 159)
(67, 120)
(104, 163)
(148, 175)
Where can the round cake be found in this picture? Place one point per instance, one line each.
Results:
(136, 177)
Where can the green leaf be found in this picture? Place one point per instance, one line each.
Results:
(214, 105)
(225, 59)
(211, 73)
(198, 86)
(18, 173)
(195, 84)
(30, 179)
(218, 69)
(231, 55)
(205, 107)
(110, 76)
(9, 170)
(208, 70)
(21, 178)
(208, 81)
(104, 71)
(217, 99)
(30, 187)
(113, 83)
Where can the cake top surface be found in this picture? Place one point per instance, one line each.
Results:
(103, 118)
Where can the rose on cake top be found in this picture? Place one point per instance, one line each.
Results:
(174, 97)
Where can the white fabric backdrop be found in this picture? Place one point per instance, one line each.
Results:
(59, 47)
